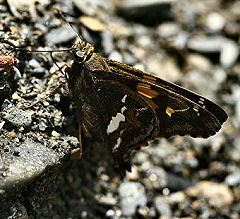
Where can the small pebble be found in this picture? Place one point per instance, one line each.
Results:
(233, 179)
(163, 207)
(45, 103)
(15, 96)
(92, 23)
(64, 34)
(147, 11)
(132, 195)
(115, 56)
(199, 62)
(168, 30)
(177, 197)
(107, 42)
(229, 53)
(206, 44)
(34, 63)
(218, 194)
(110, 213)
(177, 183)
(42, 126)
(107, 200)
(55, 134)
(157, 177)
(16, 6)
(215, 21)
(2, 124)
(6, 62)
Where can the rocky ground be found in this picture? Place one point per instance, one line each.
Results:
(192, 43)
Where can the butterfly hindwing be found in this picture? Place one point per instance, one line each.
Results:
(126, 121)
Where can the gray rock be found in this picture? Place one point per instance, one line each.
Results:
(206, 44)
(35, 65)
(60, 35)
(32, 160)
(203, 83)
(19, 210)
(17, 74)
(177, 183)
(163, 207)
(196, 61)
(164, 150)
(85, 6)
(132, 195)
(18, 117)
(21, 5)
(177, 197)
(219, 75)
(107, 200)
(115, 56)
(229, 53)
(157, 177)
(215, 21)
(2, 124)
(181, 40)
(168, 29)
(218, 194)
(107, 42)
(110, 213)
(228, 49)
(233, 179)
(42, 126)
(147, 11)
(91, 7)
(234, 99)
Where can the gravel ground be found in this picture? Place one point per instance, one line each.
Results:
(42, 173)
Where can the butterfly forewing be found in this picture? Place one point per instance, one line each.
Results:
(181, 112)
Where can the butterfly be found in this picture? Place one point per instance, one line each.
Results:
(125, 108)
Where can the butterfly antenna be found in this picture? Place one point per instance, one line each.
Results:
(54, 61)
(18, 48)
(65, 20)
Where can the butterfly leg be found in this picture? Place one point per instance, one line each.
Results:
(60, 68)
(50, 94)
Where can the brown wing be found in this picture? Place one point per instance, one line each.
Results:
(126, 107)
(180, 111)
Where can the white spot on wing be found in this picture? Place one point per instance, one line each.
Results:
(115, 121)
(119, 141)
(123, 109)
(124, 98)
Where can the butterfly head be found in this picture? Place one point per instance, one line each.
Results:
(82, 51)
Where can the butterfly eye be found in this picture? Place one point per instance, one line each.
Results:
(79, 55)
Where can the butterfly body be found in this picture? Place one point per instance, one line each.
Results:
(124, 107)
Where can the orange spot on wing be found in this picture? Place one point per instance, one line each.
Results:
(169, 111)
(145, 90)
(149, 78)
